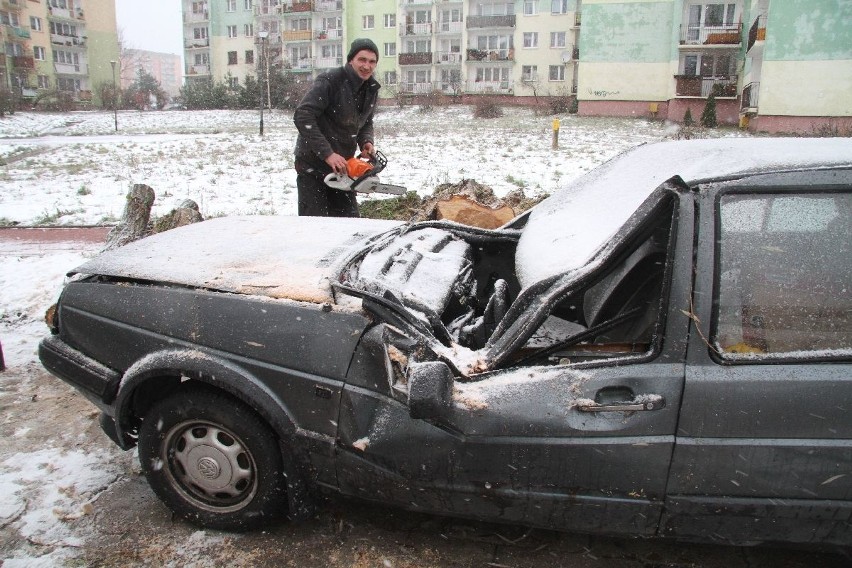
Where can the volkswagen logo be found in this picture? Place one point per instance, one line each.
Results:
(208, 468)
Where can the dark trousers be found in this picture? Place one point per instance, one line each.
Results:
(318, 200)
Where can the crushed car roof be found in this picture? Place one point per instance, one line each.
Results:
(566, 230)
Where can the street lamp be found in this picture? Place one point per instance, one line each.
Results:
(262, 36)
(114, 96)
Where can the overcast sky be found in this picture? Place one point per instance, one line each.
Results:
(153, 25)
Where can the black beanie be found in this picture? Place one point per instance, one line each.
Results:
(360, 44)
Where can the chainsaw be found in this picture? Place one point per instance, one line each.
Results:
(362, 176)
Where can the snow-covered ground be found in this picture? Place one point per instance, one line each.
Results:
(73, 169)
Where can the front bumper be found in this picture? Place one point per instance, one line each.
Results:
(97, 382)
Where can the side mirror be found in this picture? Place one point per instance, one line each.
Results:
(430, 389)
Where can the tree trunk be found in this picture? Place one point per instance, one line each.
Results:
(134, 221)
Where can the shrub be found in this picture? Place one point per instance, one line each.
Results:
(687, 118)
(486, 107)
(708, 117)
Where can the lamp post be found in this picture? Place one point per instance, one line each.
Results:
(114, 96)
(262, 54)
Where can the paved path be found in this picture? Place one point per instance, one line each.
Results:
(39, 240)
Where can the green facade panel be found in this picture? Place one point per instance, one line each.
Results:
(628, 32)
(802, 30)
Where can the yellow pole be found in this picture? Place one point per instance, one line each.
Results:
(555, 144)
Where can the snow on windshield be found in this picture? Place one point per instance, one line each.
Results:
(565, 231)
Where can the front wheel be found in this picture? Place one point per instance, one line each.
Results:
(212, 461)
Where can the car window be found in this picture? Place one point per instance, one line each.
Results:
(784, 276)
(618, 314)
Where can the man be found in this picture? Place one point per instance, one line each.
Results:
(334, 119)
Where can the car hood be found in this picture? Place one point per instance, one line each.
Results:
(279, 257)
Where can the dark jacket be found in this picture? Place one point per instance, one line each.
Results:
(328, 119)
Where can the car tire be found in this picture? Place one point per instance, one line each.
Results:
(212, 461)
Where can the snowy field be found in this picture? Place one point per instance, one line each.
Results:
(73, 169)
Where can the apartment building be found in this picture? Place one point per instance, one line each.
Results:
(63, 45)
(772, 65)
(166, 68)
(652, 58)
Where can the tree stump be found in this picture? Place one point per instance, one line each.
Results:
(464, 210)
(185, 214)
(134, 221)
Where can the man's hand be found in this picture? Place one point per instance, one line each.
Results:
(368, 149)
(337, 163)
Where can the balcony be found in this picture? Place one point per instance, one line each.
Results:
(490, 87)
(449, 27)
(65, 14)
(577, 19)
(415, 88)
(474, 22)
(710, 35)
(22, 33)
(299, 63)
(68, 40)
(198, 70)
(333, 33)
(328, 62)
(23, 62)
(298, 35)
(448, 58)
(757, 32)
(196, 17)
(328, 6)
(10, 6)
(698, 86)
(405, 3)
(69, 69)
(197, 43)
(421, 58)
(297, 7)
(423, 28)
(749, 98)
(491, 54)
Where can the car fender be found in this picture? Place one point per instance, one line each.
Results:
(192, 364)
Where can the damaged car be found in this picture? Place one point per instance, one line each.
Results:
(662, 348)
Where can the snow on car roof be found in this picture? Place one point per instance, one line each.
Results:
(567, 229)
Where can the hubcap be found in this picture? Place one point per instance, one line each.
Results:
(210, 466)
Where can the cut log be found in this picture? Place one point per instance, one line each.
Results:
(466, 211)
(134, 221)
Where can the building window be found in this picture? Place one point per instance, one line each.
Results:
(199, 33)
(390, 49)
(530, 39)
(530, 7)
(556, 73)
(390, 20)
(557, 39)
(38, 53)
(233, 82)
(59, 4)
(67, 85)
(248, 30)
(35, 24)
(202, 59)
(43, 82)
(232, 5)
(300, 24)
(249, 57)
(9, 19)
(232, 58)
(232, 31)
(390, 77)
(368, 22)
(66, 57)
(529, 73)
(247, 4)
(558, 6)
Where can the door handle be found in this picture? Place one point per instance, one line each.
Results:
(644, 402)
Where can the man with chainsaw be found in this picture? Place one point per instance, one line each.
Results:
(334, 120)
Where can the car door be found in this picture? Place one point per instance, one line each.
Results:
(764, 443)
(578, 439)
